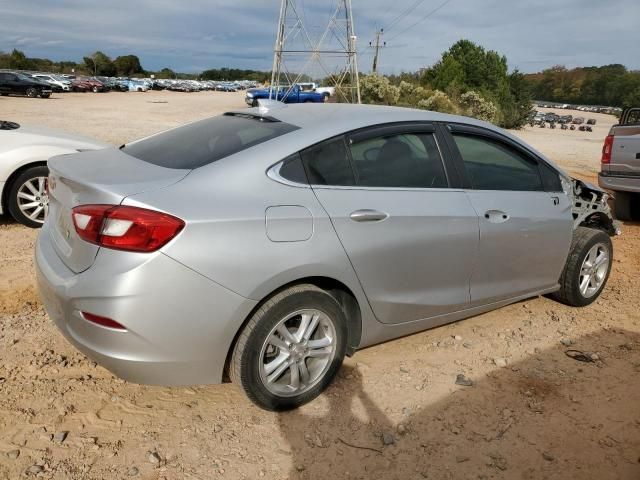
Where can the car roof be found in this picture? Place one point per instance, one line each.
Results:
(320, 121)
(344, 117)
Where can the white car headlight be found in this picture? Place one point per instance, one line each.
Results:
(250, 95)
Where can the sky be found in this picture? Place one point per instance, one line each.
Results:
(193, 35)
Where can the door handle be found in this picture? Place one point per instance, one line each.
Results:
(496, 216)
(367, 215)
(556, 200)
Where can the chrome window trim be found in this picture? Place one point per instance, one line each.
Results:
(391, 189)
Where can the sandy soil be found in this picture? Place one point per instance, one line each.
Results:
(393, 413)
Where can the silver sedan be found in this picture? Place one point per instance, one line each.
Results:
(267, 244)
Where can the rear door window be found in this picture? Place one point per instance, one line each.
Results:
(207, 141)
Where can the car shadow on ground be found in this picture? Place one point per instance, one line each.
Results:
(547, 417)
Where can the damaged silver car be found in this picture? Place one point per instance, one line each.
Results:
(266, 244)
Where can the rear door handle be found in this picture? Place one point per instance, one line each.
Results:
(367, 215)
(556, 200)
(496, 216)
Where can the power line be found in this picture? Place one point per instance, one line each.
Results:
(404, 13)
(421, 20)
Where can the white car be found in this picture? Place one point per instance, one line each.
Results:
(62, 83)
(24, 152)
(138, 86)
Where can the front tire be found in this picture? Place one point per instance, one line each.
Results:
(28, 200)
(587, 269)
(291, 348)
(32, 92)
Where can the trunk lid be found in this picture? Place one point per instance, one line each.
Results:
(98, 177)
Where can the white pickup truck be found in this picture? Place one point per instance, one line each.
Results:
(620, 170)
(313, 87)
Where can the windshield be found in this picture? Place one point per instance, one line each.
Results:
(206, 141)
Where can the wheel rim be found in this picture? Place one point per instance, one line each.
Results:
(297, 352)
(33, 200)
(594, 270)
(31, 92)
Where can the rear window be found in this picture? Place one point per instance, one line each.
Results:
(200, 143)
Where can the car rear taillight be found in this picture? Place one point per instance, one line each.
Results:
(125, 228)
(606, 149)
(102, 321)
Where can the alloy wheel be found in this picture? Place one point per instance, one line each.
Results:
(593, 271)
(297, 352)
(33, 200)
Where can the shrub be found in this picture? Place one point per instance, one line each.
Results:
(377, 89)
(476, 106)
(438, 102)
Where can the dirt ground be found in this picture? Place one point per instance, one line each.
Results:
(393, 413)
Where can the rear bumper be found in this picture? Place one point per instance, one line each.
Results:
(619, 183)
(180, 325)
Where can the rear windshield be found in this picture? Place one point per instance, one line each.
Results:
(206, 141)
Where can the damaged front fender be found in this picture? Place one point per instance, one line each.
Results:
(591, 208)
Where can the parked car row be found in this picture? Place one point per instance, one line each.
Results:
(552, 118)
(582, 108)
(42, 84)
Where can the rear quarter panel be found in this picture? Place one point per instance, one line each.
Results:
(225, 239)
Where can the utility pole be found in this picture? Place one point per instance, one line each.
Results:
(377, 47)
(333, 52)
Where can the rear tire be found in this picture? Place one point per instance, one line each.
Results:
(587, 268)
(31, 92)
(278, 366)
(45, 95)
(29, 206)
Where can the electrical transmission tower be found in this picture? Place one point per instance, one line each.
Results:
(327, 56)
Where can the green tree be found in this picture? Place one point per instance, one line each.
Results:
(19, 61)
(99, 64)
(608, 85)
(469, 67)
(128, 65)
(166, 73)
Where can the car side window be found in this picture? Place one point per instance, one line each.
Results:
(408, 160)
(292, 169)
(328, 164)
(550, 178)
(492, 165)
